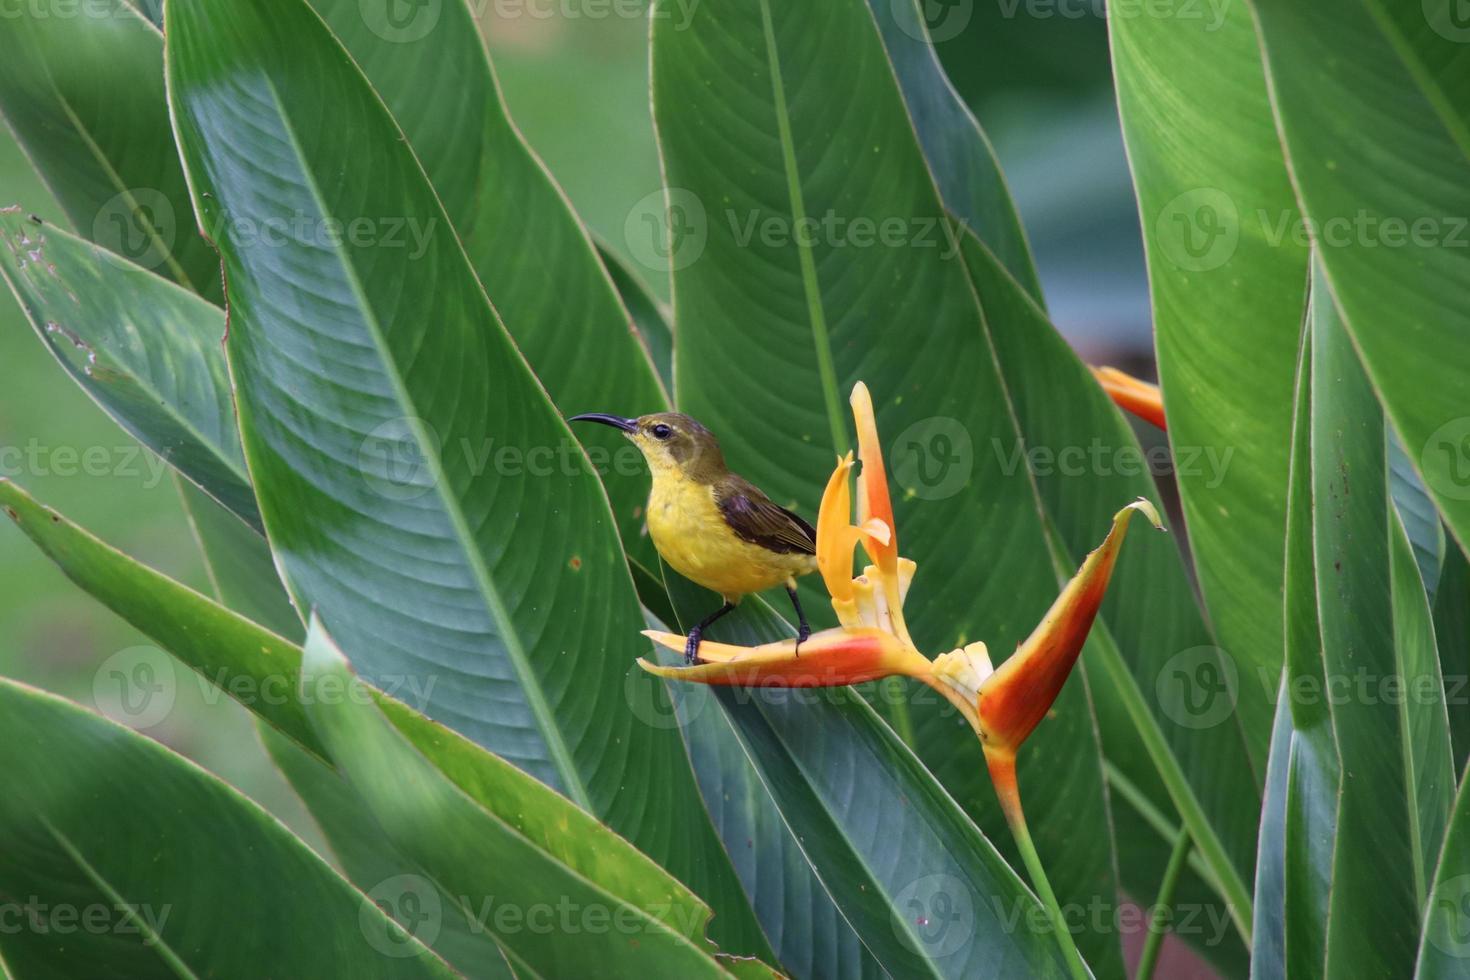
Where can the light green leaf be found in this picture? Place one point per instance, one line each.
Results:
(242, 658)
(1369, 98)
(1228, 282)
(472, 821)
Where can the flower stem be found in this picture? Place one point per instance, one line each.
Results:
(1003, 774)
(1159, 920)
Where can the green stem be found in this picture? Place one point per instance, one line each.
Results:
(1003, 773)
(1158, 924)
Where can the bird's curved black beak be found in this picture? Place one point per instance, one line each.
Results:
(616, 421)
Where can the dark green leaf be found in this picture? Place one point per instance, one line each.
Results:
(911, 875)
(788, 294)
(536, 261)
(1452, 633)
(1396, 778)
(420, 490)
(958, 152)
(649, 315)
(145, 349)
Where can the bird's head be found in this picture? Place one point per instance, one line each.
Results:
(669, 441)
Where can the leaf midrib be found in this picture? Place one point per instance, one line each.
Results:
(812, 288)
(516, 653)
(151, 937)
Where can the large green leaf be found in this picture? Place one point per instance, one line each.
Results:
(825, 255)
(907, 871)
(535, 259)
(372, 380)
(494, 837)
(83, 94)
(1393, 743)
(1369, 97)
(129, 861)
(146, 350)
(1228, 291)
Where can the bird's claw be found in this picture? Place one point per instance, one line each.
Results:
(802, 635)
(691, 649)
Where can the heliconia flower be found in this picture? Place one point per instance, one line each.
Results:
(831, 658)
(1132, 395)
(1013, 700)
(874, 505)
(836, 538)
(1002, 705)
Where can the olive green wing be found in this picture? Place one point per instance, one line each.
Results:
(754, 518)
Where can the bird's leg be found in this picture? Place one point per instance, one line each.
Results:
(804, 630)
(691, 646)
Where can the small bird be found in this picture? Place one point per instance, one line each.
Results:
(715, 528)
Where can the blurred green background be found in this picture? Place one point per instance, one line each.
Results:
(1036, 74)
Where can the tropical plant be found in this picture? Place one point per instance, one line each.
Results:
(433, 596)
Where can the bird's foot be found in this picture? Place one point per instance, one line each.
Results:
(691, 648)
(803, 634)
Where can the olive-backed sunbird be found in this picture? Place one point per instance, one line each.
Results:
(713, 527)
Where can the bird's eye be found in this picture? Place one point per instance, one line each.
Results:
(662, 431)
